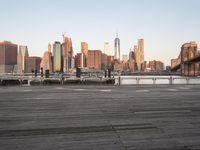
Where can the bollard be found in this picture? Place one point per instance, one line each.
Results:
(47, 73)
(41, 72)
(154, 81)
(170, 80)
(137, 81)
(109, 73)
(78, 72)
(35, 71)
(188, 80)
(29, 82)
(105, 73)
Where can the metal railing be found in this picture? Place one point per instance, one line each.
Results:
(159, 80)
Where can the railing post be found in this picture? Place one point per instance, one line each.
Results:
(29, 84)
(170, 80)
(154, 81)
(137, 81)
(188, 79)
(119, 82)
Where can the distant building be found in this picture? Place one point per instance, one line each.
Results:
(175, 62)
(110, 62)
(144, 66)
(121, 66)
(94, 59)
(79, 60)
(67, 54)
(57, 57)
(117, 48)
(32, 64)
(139, 54)
(104, 61)
(47, 60)
(125, 58)
(84, 50)
(168, 68)
(156, 65)
(188, 51)
(8, 57)
(131, 61)
(22, 54)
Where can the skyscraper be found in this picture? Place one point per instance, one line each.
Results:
(47, 63)
(70, 56)
(117, 48)
(67, 50)
(22, 54)
(57, 57)
(132, 60)
(8, 57)
(84, 50)
(139, 54)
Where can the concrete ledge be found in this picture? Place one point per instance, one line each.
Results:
(98, 81)
(68, 81)
(75, 81)
(10, 82)
(51, 82)
(35, 82)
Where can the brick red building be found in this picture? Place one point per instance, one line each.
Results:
(32, 64)
(79, 60)
(94, 59)
(8, 57)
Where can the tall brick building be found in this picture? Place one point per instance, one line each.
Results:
(94, 59)
(32, 64)
(8, 57)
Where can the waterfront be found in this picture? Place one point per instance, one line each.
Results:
(100, 117)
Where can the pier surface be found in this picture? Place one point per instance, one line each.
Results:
(100, 117)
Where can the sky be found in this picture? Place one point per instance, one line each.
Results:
(163, 24)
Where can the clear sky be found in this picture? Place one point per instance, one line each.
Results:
(164, 24)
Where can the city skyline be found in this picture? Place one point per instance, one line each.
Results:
(164, 25)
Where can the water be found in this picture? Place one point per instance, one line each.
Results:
(140, 80)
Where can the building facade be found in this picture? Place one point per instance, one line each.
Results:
(131, 61)
(117, 48)
(67, 54)
(79, 60)
(110, 62)
(124, 58)
(156, 66)
(84, 50)
(8, 57)
(139, 54)
(188, 51)
(32, 64)
(104, 63)
(47, 60)
(94, 59)
(175, 62)
(22, 54)
(57, 57)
